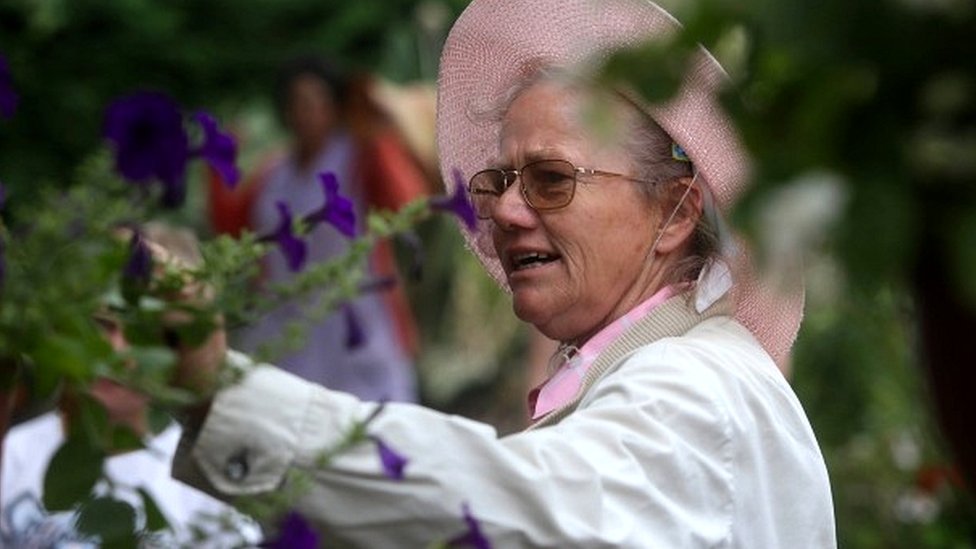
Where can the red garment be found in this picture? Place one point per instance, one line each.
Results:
(391, 178)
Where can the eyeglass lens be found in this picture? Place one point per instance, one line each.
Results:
(546, 185)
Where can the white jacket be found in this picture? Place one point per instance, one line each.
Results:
(691, 441)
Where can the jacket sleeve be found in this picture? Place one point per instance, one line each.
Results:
(647, 460)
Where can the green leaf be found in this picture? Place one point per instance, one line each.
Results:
(167, 395)
(158, 418)
(63, 355)
(377, 223)
(133, 290)
(71, 474)
(124, 439)
(108, 518)
(155, 520)
(154, 362)
(655, 69)
(195, 333)
(91, 421)
(129, 541)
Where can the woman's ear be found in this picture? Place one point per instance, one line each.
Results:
(680, 211)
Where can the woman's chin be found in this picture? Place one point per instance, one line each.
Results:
(528, 309)
(541, 317)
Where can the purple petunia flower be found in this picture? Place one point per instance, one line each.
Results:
(294, 532)
(3, 196)
(8, 97)
(393, 463)
(355, 336)
(218, 149)
(293, 248)
(138, 268)
(473, 537)
(337, 210)
(458, 203)
(150, 141)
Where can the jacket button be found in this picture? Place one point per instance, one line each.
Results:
(236, 468)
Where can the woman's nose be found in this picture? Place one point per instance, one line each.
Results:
(511, 209)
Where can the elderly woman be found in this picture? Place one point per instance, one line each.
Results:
(666, 422)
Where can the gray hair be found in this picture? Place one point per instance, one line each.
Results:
(650, 147)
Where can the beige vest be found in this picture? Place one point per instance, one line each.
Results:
(672, 318)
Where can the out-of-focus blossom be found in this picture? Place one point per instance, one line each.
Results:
(457, 203)
(393, 463)
(8, 97)
(795, 222)
(355, 337)
(294, 532)
(337, 210)
(473, 537)
(916, 507)
(3, 196)
(293, 248)
(138, 268)
(150, 142)
(218, 149)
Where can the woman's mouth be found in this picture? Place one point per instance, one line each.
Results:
(531, 260)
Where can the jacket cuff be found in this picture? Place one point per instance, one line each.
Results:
(250, 437)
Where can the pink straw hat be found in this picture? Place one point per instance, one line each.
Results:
(495, 42)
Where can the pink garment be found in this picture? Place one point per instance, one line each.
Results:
(563, 385)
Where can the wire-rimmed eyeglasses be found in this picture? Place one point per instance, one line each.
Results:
(546, 185)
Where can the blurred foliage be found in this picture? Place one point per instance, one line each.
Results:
(69, 58)
(894, 482)
(860, 118)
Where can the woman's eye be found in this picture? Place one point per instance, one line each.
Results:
(551, 177)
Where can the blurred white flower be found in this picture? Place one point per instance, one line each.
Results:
(798, 215)
(916, 507)
(794, 222)
(905, 452)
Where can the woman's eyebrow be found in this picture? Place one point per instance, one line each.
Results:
(543, 154)
(532, 156)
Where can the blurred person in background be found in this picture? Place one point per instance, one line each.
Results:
(335, 125)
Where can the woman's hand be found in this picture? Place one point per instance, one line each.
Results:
(198, 366)
(198, 363)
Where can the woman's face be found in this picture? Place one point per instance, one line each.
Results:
(594, 264)
(310, 112)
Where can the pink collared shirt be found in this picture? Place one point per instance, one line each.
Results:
(563, 385)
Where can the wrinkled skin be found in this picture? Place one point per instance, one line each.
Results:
(602, 241)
